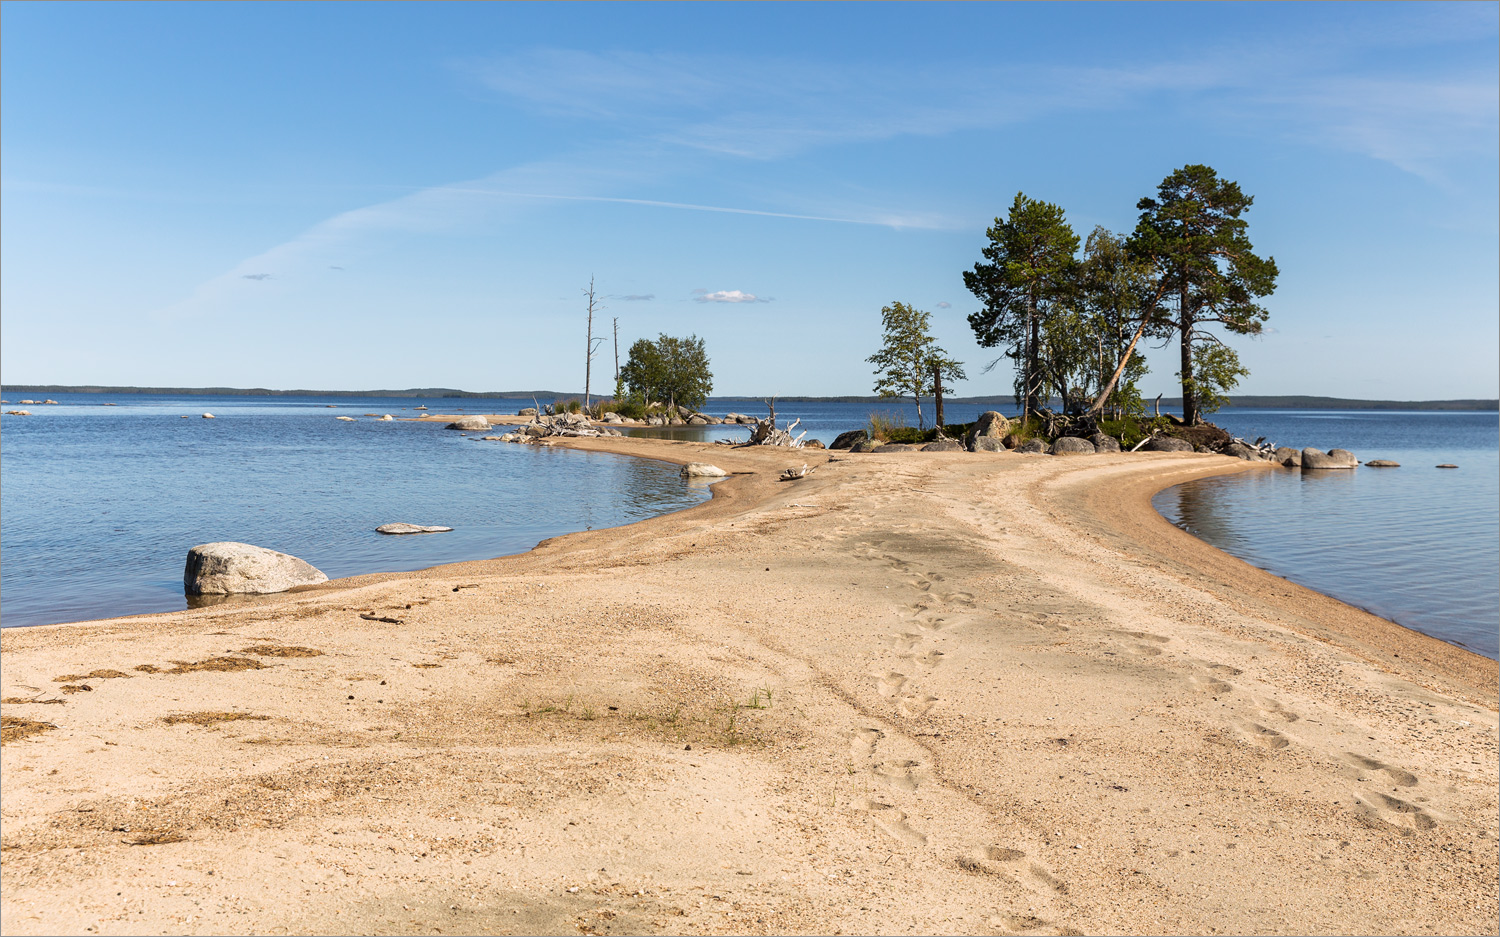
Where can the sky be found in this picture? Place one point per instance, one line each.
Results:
(359, 196)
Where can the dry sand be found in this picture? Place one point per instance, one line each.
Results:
(913, 693)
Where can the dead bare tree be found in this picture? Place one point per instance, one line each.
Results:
(617, 350)
(593, 345)
(766, 433)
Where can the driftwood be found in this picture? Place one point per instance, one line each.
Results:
(564, 424)
(792, 474)
(766, 433)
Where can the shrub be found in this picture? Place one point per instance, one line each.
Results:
(883, 424)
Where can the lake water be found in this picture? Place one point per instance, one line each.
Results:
(1417, 544)
(100, 504)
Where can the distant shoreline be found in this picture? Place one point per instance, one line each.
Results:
(1245, 401)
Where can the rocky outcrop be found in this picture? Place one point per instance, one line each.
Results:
(470, 423)
(990, 424)
(1291, 458)
(1103, 442)
(229, 568)
(18, 413)
(524, 411)
(696, 420)
(1241, 451)
(1033, 445)
(702, 470)
(987, 444)
(846, 440)
(944, 445)
(1382, 463)
(400, 528)
(1168, 444)
(1072, 445)
(1314, 459)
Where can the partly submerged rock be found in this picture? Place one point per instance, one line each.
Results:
(1286, 455)
(702, 470)
(345, 419)
(1241, 451)
(1447, 465)
(1382, 463)
(1103, 442)
(944, 445)
(1033, 445)
(208, 416)
(387, 418)
(1332, 459)
(1072, 445)
(18, 413)
(400, 528)
(470, 422)
(849, 439)
(228, 568)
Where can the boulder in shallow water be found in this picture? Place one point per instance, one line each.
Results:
(18, 413)
(849, 439)
(702, 470)
(400, 528)
(208, 416)
(944, 445)
(387, 418)
(1241, 451)
(1286, 455)
(345, 419)
(1072, 445)
(1103, 442)
(229, 568)
(1447, 465)
(1382, 463)
(470, 422)
(1313, 459)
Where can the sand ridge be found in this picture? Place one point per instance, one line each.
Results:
(917, 692)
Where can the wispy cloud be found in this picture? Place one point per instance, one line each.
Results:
(945, 305)
(255, 276)
(727, 296)
(637, 297)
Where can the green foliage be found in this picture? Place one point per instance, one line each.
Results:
(669, 370)
(1194, 236)
(1030, 272)
(1216, 371)
(571, 405)
(628, 408)
(909, 356)
(883, 424)
(1116, 292)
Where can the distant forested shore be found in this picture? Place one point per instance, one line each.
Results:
(1246, 401)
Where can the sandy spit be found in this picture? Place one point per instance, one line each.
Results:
(912, 693)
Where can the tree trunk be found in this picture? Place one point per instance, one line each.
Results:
(1185, 327)
(937, 395)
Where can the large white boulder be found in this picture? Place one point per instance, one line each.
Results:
(702, 470)
(231, 568)
(470, 422)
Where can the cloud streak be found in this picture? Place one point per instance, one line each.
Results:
(727, 296)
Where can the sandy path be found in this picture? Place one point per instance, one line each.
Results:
(920, 692)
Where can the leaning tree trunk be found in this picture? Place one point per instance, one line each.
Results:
(1185, 327)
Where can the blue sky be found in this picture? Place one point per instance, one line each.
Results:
(392, 195)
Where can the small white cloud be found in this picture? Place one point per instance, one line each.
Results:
(945, 305)
(727, 296)
(638, 297)
(256, 276)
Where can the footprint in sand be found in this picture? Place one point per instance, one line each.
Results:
(905, 642)
(1262, 736)
(1273, 709)
(1209, 685)
(903, 775)
(862, 743)
(1377, 808)
(915, 706)
(1403, 778)
(892, 822)
(890, 682)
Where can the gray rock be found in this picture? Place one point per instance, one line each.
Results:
(1168, 444)
(1072, 445)
(208, 416)
(696, 420)
(711, 420)
(400, 528)
(1382, 463)
(350, 419)
(989, 424)
(1291, 458)
(611, 417)
(1241, 451)
(987, 444)
(1313, 459)
(944, 445)
(677, 421)
(470, 423)
(229, 568)
(1104, 443)
(537, 431)
(813, 444)
(387, 418)
(18, 413)
(894, 447)
(702, 470)
(865, 445)
(524, 411)
(846, 440)
(1033, 445)
(1447, 465)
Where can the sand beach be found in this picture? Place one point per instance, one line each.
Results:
(910, 693)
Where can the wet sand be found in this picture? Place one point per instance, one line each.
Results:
(912, 693)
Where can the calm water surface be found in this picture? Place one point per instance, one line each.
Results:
(1417, 544)
(102, 503)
